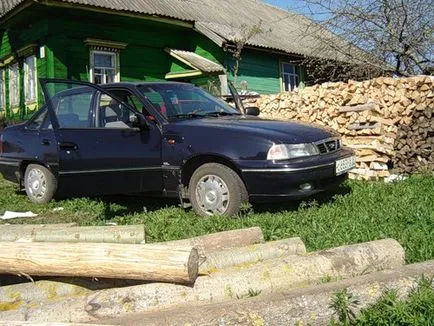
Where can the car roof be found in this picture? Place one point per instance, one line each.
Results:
(135, 84)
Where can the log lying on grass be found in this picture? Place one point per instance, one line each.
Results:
(305, 306)
(106, 234)
(270, 276)
(108, 260)
(221, 240)
(26, 232)
(251, 254)
(28, 323)
(33, 293)
(71, 233)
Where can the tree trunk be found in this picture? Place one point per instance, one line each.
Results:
(140, 262)
(26, 232)
(304, 306)
(241, 256)
(270, 276)
(106, 234)
(221, 240)
(29, 323)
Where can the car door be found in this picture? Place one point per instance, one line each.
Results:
(100, 149)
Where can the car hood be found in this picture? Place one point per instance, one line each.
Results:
(277, 131)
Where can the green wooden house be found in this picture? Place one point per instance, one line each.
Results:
(143, 40)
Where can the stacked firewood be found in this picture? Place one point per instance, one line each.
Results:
(387, 121)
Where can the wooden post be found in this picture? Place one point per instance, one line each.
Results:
(108, 260)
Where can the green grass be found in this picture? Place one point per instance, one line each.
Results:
(356, 212)
(417, 309)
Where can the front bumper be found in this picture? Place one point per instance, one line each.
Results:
(283, 180)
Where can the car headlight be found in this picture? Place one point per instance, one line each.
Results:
(288, 151)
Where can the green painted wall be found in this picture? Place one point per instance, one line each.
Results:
(62, 32)
(16, 34)
(259, 69)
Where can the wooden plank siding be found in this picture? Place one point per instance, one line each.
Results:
(259, 69)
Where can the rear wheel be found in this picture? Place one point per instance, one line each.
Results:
(40, 183)
(216, 189)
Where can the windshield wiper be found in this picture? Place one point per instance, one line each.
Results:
(220, 113)
(186, 115)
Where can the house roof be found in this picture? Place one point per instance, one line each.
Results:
(227, 21)
(196, 61)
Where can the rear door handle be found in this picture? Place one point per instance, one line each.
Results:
(45, 142)
(68, 146)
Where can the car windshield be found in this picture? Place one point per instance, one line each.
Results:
(184, 101)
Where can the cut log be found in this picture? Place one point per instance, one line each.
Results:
(270, 276)
(29, 323)
(108, 260)
(221, 240)
(33, 293)
(362, 107)
(25, 232)
(241, 256)
(362, 126)
(106, 234)
(305, 306)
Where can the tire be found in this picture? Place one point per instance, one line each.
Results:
(215, 189)
(40, 184)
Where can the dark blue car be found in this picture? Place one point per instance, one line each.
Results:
(167, 139)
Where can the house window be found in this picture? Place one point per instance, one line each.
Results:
(14, 85)
(290, 78)
(2, 90)
(30, 89)
(104, 67)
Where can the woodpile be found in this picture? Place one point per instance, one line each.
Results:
(234, 265)
(387, 121)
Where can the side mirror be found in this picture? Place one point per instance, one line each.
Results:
(252, 110)
(139, 121)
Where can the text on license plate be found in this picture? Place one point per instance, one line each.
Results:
(345, 164)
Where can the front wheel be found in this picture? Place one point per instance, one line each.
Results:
(216, 189)
(40, 184)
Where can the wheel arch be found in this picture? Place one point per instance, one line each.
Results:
(193, 163)
(25, 163)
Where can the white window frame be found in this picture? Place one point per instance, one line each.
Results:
(14, 92)
(291, 75)
(114, 55)
(2, 89)
(30, 93)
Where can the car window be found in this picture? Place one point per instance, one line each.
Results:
(73, 108)
(128, 97)
(176, 100)
(38, 119)
(112, 113)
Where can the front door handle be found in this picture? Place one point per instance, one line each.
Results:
(45, 142)
(68, 146)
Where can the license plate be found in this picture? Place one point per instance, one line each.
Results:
(345, 165)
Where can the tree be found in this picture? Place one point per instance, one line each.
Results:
(240, 37)
(397, 35)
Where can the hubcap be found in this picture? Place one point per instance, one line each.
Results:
(212, 195)
(36, 183)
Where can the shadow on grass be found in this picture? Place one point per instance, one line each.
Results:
(293, 205)
(135, 204)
